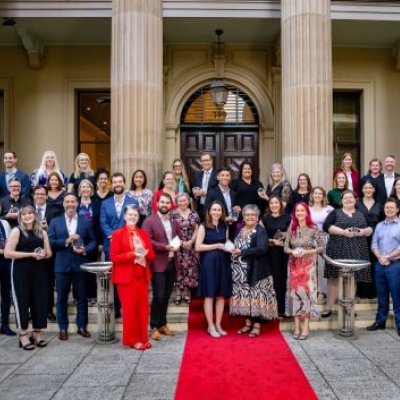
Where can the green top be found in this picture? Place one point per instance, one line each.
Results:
(334, 197)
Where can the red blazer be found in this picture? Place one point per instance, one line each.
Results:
(122, 255)
(158, 237)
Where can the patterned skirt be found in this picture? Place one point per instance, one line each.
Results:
(258, 301)
(301, 297)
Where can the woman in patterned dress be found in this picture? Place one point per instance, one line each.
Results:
(143, 195)
(303, 243)
(187, 265)
(253, 294)
(348, 232)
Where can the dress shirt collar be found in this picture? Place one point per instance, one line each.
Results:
(163, 217)
(396, 221)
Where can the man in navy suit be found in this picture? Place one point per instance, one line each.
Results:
(203, 182)
(227, 197)
(65, 232)
(112, 218)
(11, 171)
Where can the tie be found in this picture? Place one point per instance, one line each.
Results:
(40, 213)
(206, 178)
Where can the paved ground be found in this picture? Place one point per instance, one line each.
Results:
(367, 368)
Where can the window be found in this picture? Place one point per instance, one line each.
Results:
(94, 127)
(346, 126)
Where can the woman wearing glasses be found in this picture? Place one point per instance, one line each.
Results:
(131, 251)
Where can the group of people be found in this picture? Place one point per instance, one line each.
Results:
(217, 237)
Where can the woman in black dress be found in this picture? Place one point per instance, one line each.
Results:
(83, 170)
(276, 223)
(28, 246)
(302, 191)
(373, 213)
(55, 193)
(246, 187)
(215, 270)
(348, 233)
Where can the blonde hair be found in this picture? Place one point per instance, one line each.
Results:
(280, 167)
(42, 168)
(87, 182)
(89, 173)
(36, 226)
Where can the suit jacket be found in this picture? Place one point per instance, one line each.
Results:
(215, 194)
(122, 254)
(109, 220)
(381, 188)
(25, 184)
(66, 259)
(212, 182)
(154, 226)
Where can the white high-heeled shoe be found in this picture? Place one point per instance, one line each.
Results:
(221, 331)
(213, 332)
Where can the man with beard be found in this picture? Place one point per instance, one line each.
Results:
(161, 230)
(112, 218)
(386, 179)
(72, 238)
(11, 171)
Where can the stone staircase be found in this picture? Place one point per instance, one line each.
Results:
(178, 316)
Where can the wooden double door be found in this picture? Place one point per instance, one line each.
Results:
(230, 147)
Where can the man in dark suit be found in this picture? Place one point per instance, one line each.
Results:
(11, 171)
(203, 182)
(112, 218)
(45, 215)
(161, 230)
(65, 232)
(375, 175)
(227, 197)
(11, 203)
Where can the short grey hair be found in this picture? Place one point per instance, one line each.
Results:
(251, 207)
(183, 194)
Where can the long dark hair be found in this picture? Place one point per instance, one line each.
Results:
(133, 186)
(254, 173)
(208, 221)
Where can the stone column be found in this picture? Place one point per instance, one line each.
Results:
(137, 88)
(307, 139)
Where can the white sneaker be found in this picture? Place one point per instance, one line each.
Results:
(213, 332)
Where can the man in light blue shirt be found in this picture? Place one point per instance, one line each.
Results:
(386, 247)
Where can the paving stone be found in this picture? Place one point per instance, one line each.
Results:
(159, 363)
(102, 371)
(6, 370)
(43, 363)
(151, 387)
(375, 340)
(14, 355)
(30, 387)
(90, 393)
(377, 388)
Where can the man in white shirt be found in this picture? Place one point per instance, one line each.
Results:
(389, 173)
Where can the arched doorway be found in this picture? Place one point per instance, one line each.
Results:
(229, 133)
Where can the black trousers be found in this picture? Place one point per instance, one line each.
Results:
(29, 289)
(5, 291)
(51, 281)
(162, 283)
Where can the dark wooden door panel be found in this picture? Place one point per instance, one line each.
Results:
(228, 147)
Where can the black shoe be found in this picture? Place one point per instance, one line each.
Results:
(51, 317)
(6, 330)
(326, 314)
(375, 327)
(398, 330)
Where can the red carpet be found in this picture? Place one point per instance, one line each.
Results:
(236, 367)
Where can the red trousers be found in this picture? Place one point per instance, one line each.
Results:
(134, 298)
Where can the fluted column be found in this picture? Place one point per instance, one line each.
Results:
(307, 144)
(137, 87)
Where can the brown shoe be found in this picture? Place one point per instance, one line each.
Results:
(164, 330)
(84, 333)
(63, 335)
(155, 335)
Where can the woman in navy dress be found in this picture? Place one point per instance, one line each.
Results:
(215, 271)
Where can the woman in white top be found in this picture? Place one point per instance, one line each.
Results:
(319, 210)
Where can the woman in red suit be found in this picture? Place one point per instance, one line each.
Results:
(131, 251)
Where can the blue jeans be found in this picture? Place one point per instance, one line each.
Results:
(63, 286)
(387, 280)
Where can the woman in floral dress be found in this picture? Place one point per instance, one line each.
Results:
(187, 266)
(303, 243)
